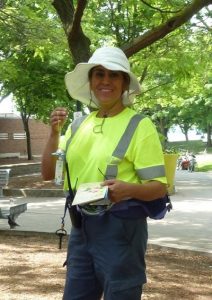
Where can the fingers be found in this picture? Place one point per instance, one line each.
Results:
(117, 189)
(58, 115)
(58, 118)
(109, 182)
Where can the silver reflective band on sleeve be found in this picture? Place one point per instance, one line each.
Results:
(151, 172)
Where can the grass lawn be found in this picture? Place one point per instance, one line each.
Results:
(204, 168)
(204, 163)
(197, 147)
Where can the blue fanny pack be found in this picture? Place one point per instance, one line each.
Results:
(155, 209)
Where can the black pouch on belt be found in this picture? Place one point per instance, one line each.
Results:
(75, 215)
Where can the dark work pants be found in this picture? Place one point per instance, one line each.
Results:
(106, 256)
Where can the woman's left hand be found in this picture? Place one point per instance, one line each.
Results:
(117, 190)
(121, 190)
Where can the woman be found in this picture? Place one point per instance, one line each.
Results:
(107, 254)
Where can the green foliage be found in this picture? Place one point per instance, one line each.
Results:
(175, 72)
(190, 146)
(170, 61)
(119, 22)
(34, 56)
(171, 150)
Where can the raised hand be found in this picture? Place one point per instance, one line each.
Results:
(58, 118)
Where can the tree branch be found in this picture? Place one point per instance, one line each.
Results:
(159, 9)
(76, 27)
(156, 87)
(162, 30)
(153, 88)
(65, 11)
(3, 97)
(206, 26)
(79, 43)
(143, 75)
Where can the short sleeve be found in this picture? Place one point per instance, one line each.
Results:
(146, 153)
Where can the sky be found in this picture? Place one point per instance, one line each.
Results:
(176, 134)
(7, 106)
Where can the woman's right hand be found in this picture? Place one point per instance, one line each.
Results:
(58, 118)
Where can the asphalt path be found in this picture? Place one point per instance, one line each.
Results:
(188, 226)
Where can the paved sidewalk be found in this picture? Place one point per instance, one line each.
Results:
(188, 226)
(43, 214)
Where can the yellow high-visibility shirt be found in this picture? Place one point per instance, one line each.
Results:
(90, 152)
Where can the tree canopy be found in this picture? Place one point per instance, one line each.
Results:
(168, 44)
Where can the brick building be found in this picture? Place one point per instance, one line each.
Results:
(13, 137)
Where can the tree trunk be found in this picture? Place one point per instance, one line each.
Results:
(186, 135)
(184, 130)
(79, 43)
(209, 133)
(25, 120)
(163, 128)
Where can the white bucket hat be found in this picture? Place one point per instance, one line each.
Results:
(111, 58)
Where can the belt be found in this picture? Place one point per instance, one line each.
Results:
(94, 210)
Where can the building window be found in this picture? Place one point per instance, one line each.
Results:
(4, 136)
(19, 136)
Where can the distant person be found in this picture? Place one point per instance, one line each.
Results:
(192, 162)
(106, 255)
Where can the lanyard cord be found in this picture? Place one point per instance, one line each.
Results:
(70, 196)
(71, 192)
